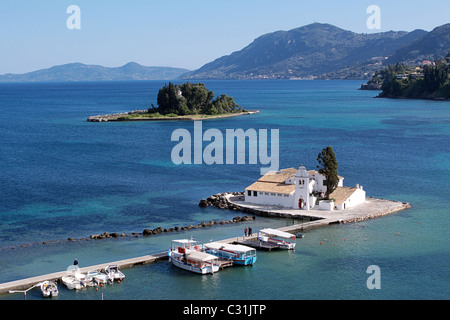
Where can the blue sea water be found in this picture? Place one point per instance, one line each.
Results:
(63, 177)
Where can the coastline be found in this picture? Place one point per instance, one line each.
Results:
(124, 116)
(411, 98)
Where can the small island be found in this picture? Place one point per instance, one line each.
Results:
(427, 80)
(317, 196)
(181, 102)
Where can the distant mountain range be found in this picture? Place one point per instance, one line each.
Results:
(314, 51)
(323, 51)
(83, 72)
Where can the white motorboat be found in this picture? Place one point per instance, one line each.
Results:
(113, 272)
(186, 254)
(48, 289)
(71, 282)
(75, 279)
(100, 277)
(283, 240)
(85, 279)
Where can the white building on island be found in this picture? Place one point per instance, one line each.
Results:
(301, 189)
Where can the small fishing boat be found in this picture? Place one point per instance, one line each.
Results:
(100, 277)
(85, 279)
(283, 240)
(75, 279)
(71, 282)
(239, 254)
(113, 272)
(48, 289)
(186, 254)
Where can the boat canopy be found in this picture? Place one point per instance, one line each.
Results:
(227, 246)
(278, 233)
(185, 243)
(112, 267)
(201, 256)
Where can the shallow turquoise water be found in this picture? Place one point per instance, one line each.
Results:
(63, 177)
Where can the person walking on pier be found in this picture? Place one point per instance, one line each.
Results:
(245, 231)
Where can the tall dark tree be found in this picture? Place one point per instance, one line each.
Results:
(191, 98)
(169, 99)
(433, 78)
(198, 97)
(328, 166)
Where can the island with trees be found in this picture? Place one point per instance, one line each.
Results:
(188, 101)
(428, 80)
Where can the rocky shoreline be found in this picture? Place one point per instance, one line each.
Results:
(220, 200)
(113, 117)
(124, 116)
(370, 86)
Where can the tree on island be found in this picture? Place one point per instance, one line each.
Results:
(328, 166)
(191, 98)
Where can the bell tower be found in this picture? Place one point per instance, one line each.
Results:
(301, 199)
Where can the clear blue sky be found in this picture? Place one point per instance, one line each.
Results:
(179, 33)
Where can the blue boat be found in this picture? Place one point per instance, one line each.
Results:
(239, 254)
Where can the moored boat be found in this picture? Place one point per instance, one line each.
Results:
(71, 282)
(75, 279)
(48, 289)
(113, 272)
(100, 277)
(283, 240)
(85, 279)
(239, 254)
(186, 254)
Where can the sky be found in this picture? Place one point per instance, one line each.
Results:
(179, 33)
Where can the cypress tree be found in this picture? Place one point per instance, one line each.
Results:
(328, 166)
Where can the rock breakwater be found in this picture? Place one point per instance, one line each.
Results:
(145, 233)
(221, 201)
(148, 232)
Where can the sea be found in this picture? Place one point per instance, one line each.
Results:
(62, 177)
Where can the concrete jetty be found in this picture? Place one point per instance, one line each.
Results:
(372, 208)
(24, 284)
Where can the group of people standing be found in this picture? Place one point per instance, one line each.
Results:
(248, 231)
